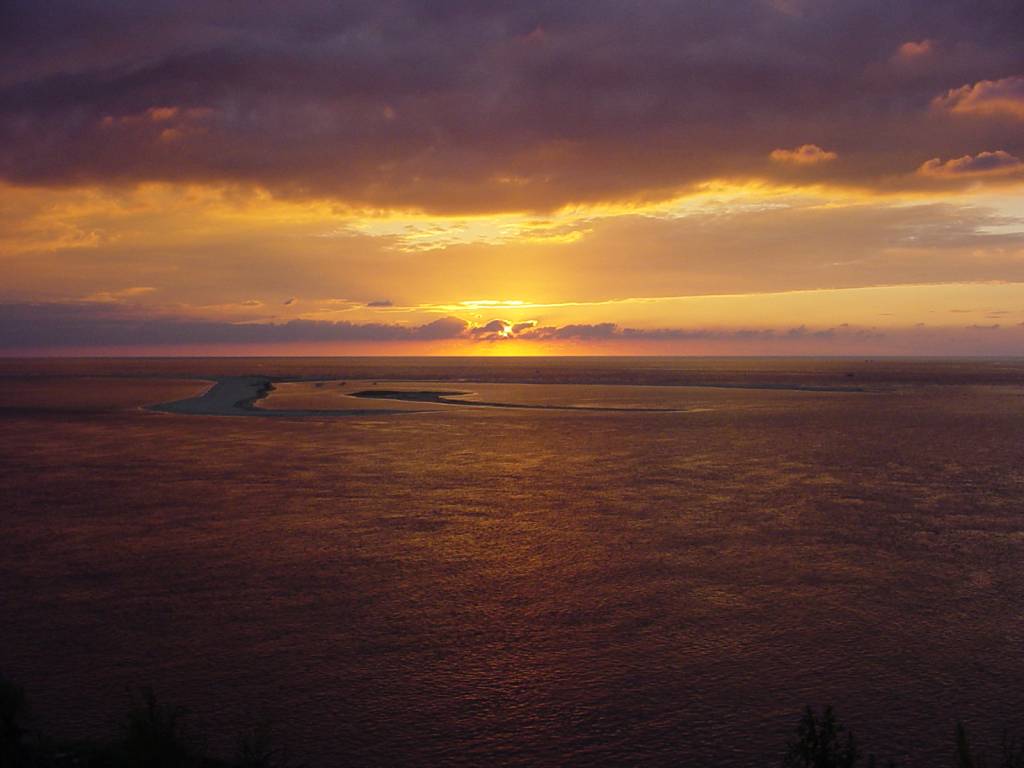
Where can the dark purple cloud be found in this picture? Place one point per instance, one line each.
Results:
(468, 106)
(49, 325)
(494, 326)
(490, 331)
(612, 331)
(41, 326)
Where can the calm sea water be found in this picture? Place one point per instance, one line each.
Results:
(477, 586)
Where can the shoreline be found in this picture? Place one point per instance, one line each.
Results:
(229, 396)
(446, 398)
(238, 395)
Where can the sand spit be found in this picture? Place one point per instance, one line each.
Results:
(232, 396)
(447, 398)
(237, 396)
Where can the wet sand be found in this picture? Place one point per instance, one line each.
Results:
(513, 586)
(238, 396)
(233, 396)
(451, 398)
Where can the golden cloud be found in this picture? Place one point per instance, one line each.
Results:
(806, 154)
(1003, 97)
(998, 163)
(123, 294)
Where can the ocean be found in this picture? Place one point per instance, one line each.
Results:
(656, 561)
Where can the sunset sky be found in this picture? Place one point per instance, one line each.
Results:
(452, 177)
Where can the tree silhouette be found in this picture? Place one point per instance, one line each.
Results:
(154, 735)
(820, 743)
(1012, 751)
(13, 712)
(256, 750)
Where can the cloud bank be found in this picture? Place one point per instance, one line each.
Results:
(38, 328)
(84, 325)
(457, 106)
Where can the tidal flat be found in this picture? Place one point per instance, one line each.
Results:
(441, 584)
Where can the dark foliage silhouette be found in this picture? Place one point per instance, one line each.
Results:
(154, 735)
(257, 749)
(822, 742)
(13, 716)
(1011, 756)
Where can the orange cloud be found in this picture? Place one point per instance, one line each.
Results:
(987, 97)
(169, 124)
(914, 50)
(156, 115)
(806, 154)
(998, 163)
(125, 294)
(160, 114)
